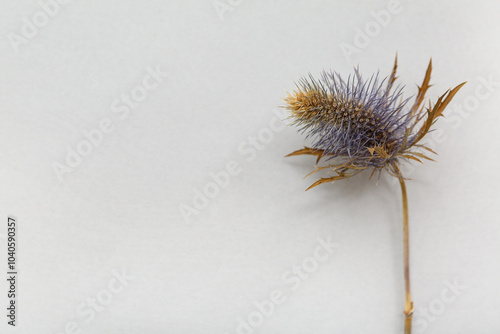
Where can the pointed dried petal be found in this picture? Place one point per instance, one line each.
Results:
(422, 89)
(324, 180)
(306, 150)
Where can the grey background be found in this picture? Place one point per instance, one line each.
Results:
(119, 209)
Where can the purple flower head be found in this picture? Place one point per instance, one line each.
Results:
(361, 123)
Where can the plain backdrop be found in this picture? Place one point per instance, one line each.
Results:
(197, 264)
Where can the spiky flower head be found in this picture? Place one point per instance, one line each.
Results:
(359, 124)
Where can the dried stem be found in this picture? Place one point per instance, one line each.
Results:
(406, 240)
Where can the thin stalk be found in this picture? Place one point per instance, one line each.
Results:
(406, 241)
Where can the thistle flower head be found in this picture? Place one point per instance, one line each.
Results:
(359, 124)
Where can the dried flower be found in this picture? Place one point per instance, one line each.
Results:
(360, 124)
(366, 124)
